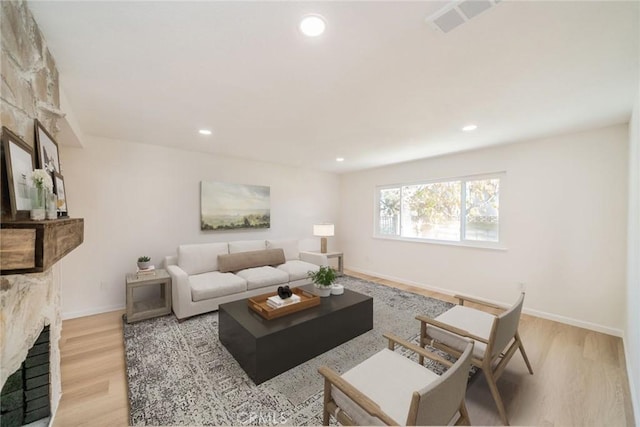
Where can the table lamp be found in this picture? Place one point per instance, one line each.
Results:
(323, 231)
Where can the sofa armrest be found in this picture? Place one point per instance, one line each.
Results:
(314, 258)
(180, 290)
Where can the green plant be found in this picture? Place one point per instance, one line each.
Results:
(144, 259)
(323, 277)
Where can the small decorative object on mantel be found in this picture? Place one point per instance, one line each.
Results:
(144, 262)
(52, 206)
(323, 279)
(42, 185)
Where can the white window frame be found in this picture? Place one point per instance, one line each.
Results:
(500, 244)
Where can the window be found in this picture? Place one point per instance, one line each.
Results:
(457, 210)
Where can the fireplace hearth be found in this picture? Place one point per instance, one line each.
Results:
(25, 396)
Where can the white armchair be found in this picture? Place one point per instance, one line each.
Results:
(391, 389)
(496, 338)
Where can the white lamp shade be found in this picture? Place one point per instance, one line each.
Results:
(323, 230)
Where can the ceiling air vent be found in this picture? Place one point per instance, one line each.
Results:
(458, 12)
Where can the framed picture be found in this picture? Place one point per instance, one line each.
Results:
(226, 206)
(47, 149)
(18, 166)
(58, 188)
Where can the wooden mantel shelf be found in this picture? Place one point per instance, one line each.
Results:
(34, 246)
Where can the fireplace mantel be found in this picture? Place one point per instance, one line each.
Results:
(34, 246)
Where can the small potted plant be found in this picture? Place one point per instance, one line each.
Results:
(144, 262)
(323, 279)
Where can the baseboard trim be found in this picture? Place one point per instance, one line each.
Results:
(575, 322)
(91, 312)
(537, 313)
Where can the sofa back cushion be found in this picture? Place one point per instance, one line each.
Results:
(250, 259)
(246, 246)
(200, 258)
(290, 248)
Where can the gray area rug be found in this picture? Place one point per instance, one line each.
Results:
(180, 373)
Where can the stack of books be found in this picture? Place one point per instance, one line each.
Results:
(150, 271)
(277, 302)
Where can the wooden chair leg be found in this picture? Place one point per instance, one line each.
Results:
(325, 406)
(423, 334)
(464, 415)
(524, 354)
(496, 394)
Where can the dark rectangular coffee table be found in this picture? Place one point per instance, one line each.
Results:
(266, 348)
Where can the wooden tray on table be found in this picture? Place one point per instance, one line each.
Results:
(260, 306)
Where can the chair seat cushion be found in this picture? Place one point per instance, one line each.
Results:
(259, 277)
(387, 378)
(297, 269)
(215, 284)
(477, 322)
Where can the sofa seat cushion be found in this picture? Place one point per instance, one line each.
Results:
(215, 284)
(200, 258)
(297, 269)
(259, 277)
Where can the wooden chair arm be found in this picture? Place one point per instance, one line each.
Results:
(450, 328)
(463, 298)
(371, 407)
(416, 349)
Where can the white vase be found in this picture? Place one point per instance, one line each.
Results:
(323, 291)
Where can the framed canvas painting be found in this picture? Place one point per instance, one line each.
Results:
(18, 165)
(225, 206)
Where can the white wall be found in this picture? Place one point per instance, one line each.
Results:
(563, 213)
(632, 335)
(140, 199)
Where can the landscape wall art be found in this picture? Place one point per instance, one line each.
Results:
(225, 206)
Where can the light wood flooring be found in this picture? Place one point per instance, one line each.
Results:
(579, 379)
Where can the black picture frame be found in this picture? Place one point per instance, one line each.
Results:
(61, 194)
(18, 162)
(48, 153)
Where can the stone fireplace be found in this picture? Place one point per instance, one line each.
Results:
(30, 282)
(30, 312)
(25, 397)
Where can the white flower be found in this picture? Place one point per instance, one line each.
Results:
(42, 179)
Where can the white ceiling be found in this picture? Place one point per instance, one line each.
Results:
(379, 87)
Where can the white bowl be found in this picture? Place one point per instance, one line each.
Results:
(337, 289)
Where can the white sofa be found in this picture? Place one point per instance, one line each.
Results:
(209, 274)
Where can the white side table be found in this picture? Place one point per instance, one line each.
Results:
(146, 309)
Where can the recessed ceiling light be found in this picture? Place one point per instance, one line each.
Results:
(312, 25)
(469, 128)
(204, 132)
(339, 159)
